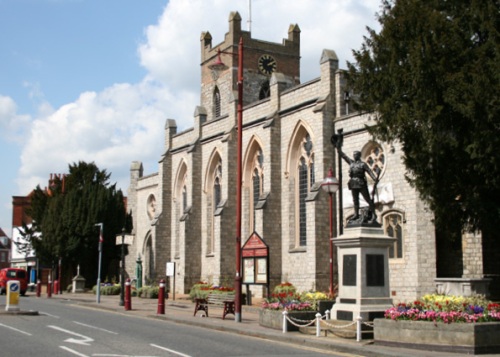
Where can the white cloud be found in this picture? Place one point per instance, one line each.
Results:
(12, 124)
(125, 121)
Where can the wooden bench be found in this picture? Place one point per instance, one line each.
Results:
(225, 300)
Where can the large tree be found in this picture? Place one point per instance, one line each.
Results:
(431, 75)
(65, 217)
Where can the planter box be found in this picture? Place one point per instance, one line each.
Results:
(274, 318)
(466, 338)
(324, 305)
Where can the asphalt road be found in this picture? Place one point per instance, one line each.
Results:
(63, 329)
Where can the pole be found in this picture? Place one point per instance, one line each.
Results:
(60, 275)
(339, 175)
(122, 276)
(128, 296)
(330, 291)
(101, 239)
(237, 279)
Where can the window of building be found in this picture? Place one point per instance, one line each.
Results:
(375, 158)
(393, 228)
(216, 98)
(257, 183)
(306, 178)
(184, 199)
(265, 90)
(217, 186)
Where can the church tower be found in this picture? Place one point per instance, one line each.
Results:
(261, 60)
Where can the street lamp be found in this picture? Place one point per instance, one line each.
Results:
(122, 276)
(330, 185)
(216, 67)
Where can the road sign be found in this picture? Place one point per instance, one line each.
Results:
(13, 290)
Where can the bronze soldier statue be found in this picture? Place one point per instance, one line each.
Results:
(357, 184)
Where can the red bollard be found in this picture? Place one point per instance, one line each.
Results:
(161, 298)
(128, 297)
(49, 289)
(38, 288)
(56, 287)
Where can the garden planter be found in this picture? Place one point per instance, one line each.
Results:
(324, 305)
(466, 338)
(274, 318)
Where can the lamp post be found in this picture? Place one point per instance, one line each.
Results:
(330, 185)
(218, 66)
(122, 273)
(101, 240)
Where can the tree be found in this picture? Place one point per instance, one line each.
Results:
(65, 217)
(432, 76)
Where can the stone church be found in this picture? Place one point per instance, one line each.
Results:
(186, 213)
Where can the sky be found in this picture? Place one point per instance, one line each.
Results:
(95, 80)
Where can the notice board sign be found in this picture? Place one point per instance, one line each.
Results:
(255, 256)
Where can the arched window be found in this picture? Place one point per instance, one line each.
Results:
(306, 179)
(256, 193)
(214, 200)
(217, 183)
(216, 98)
(184, 198)
(393, 228)
(265, 90)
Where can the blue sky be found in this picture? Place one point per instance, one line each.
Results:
(95, 80)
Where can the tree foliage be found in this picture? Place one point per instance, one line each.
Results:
(65, 217)
(432, 76)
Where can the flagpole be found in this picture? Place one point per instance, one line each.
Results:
(101, 239)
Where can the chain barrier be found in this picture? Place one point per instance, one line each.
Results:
(318, 321)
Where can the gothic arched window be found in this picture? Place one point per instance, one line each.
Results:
(216, 98)
(265, 90)
(393, 228)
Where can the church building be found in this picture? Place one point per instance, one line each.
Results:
(187, 212)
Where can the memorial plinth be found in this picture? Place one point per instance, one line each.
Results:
(363, 265)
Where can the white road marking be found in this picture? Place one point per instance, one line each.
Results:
(95, 327)
(169, 350)
(83, 341)
(47, 314)
(73, 351)
(15, 329)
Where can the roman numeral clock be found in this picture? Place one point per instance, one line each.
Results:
(267, 64)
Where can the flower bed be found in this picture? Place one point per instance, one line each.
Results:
(447, 309)
(300, 306)
(442, 323)
(202, 289)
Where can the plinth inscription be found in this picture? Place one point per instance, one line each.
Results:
(374, 270)
(349, 270)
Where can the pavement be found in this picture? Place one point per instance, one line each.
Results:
(181, 311)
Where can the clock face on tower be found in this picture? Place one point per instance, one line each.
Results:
(267, 64)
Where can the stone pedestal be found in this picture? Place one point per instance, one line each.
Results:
(363, 265)
(463, 286)
(78, 284)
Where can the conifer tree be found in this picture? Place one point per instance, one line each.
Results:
(65, 217)
(431, 78)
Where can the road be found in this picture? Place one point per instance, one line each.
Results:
(64, 329)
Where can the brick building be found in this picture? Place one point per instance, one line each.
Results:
(186, 212)
(4, 250)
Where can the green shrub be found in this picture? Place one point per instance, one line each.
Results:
(107, 289)
(148, 292)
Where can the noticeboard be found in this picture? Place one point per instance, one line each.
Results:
(255, 256)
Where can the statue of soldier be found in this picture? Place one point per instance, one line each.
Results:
(357, 184)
